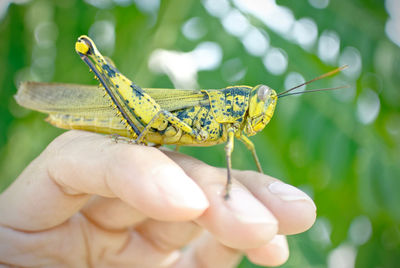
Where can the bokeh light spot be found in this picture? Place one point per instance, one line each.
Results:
(305, 32)
(148, 6)
(235, 23)
(194, 28)
(207, 55)
(255, 42)
(103, 34)
(179, 67)
(182, 67)
(360, 230)
(46, 34)
(217, 8)
(276, 61)
(344, 256)
(392, 27)
(328, 46)
(368, 106)
(320, 4)
(294, 79)
(351, 57)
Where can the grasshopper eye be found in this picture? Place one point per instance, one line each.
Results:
(263, 92)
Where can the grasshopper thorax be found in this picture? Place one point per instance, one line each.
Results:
(262, 104)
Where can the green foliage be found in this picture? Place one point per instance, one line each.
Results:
(329, 144)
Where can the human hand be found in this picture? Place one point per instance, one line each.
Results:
(88, 201)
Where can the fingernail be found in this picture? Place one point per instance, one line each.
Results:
(181, 190)
(247, 208)
(288, 192)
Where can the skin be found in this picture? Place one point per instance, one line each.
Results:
(87, 201)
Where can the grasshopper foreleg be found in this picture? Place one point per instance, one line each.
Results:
(228, 151)
(250, 145)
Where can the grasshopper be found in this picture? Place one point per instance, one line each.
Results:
(157, 116)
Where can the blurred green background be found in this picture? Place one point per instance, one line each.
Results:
(340, 147)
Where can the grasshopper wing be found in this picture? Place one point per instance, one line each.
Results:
(72, 106)
(62, 98)
(177, 99)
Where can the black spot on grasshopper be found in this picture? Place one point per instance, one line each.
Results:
(137, 90)
(109, 70)
(221, 130)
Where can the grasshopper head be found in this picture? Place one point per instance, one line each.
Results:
(261, 108)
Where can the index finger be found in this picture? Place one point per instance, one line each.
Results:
(79, 164)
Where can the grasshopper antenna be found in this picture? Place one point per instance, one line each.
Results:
(335, 71)
(312, 90)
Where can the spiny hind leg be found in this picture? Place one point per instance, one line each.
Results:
(250, 145)
(228, 152)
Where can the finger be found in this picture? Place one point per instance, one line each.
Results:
(111, 213)
(294, 209)
(208, 252)
(241, 221)
(275, 253)
(168, 236)
(89, 246)
(77, 164)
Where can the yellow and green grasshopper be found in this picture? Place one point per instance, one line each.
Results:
(151, 115)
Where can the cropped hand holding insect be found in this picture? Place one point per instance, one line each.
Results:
(87, 201)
